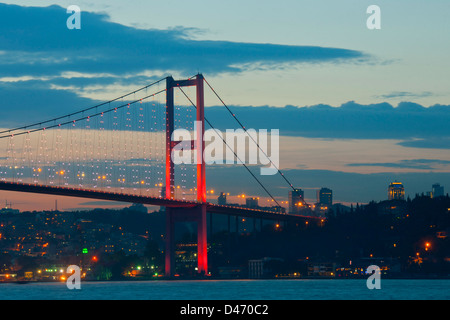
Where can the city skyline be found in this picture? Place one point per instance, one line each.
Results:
(323, 196)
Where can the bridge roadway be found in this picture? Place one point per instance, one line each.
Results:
(155, 201)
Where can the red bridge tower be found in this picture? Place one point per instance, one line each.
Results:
(197, 213)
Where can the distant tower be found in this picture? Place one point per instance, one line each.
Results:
(396, 191)
(251, 202)
(325, 196)
(437, 190)
(222, 199)
(295, 196)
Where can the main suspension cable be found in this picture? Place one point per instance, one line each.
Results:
(251, 137)
(246, 167)
(80, 119)
(81, 111)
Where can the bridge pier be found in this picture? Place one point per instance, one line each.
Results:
(196, 214)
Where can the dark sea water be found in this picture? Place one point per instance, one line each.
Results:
(232, 290)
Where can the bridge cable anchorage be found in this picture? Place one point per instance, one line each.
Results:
(81, 111)
(246, 167)
(257, 144)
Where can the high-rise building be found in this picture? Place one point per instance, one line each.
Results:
(437, 190)
(396, 191)
(296, 197)
(222, 199)
(251, 202)
(325, 196)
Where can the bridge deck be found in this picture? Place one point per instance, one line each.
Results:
(155, 201)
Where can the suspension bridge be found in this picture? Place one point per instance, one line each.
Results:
(121, 150)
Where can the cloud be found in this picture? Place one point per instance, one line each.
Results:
(405, 94)
(36, 41)
(415, 124)
(429, 143)
(40, 56)
(422, 164)
(38, 104)
(58, 67)
(346, 186)
(411, 124)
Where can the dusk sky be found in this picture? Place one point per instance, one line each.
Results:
(356, 108)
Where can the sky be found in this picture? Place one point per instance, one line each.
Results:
(356, 108)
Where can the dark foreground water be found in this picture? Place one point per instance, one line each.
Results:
(232, 290)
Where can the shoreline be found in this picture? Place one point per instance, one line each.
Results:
(207, 279)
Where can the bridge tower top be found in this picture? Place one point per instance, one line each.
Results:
(198, 144)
